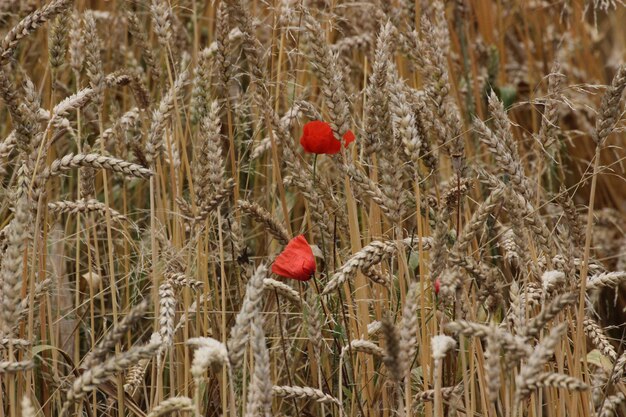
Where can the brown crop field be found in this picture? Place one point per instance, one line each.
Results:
(312, 208)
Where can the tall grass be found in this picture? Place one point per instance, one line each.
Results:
(469, 244)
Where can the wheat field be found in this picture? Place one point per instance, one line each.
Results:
(314, 208)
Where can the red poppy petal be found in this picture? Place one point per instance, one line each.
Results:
(285, 268)
(296, 261)
(348, 138)
(317, 137)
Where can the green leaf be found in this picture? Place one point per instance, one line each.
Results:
(414, 260)
(508, 94)
(596, 358)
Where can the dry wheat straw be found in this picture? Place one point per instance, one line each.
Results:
(92, 377)
(300, 108)
(549, 312)
(135, 376)
(249, 87)
(209, 352)
(376, 117)
(29, 24)
(167, 311)
(304, 393)
(283, 290)
(260, 394)
(251, 307)
(94, 160)
(429, 395)
(161, 117)
(609, 112)
(394, 358)
(11, 271)
(550, 280)
(599, 339)
(610, 407)
(372, 254)
(606, 279)
(162, 21)
(57, 40)
(547, 379)
(27, 407)
(549, 121)
(365, 346)
(10, 367)
(42, 288)
(15, 343)
(511, 343)
(531, 373)
(330, 76)
(434, 49)
(211, 202)
(262, 216)
(178, 280)
(479, 218)
(208, 173)
(492, 366)
(115, 335)
(84, 206)
(368, 187)
(409, 325)
(93, 61)
(172, 405)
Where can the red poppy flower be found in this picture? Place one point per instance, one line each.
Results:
(317, 137)
(437, 286)
(296, 261)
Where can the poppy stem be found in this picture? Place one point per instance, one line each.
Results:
(314, 168)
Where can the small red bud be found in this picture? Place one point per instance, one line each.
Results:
(437, 286)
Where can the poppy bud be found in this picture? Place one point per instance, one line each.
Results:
(296, 261)
(437, 286)
(317, 137)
